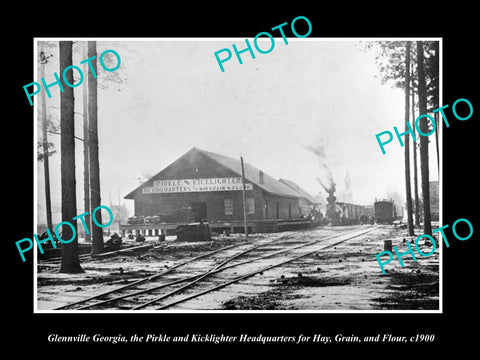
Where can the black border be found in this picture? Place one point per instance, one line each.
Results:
(455, 26)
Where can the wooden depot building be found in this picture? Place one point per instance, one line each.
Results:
(205, 186)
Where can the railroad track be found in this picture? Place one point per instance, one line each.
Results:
(126, 249)
(229, 265)
(87, 303)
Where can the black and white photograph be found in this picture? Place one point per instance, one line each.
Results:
(260, 185)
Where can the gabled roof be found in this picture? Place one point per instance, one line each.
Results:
(302, 193)
(252, 174)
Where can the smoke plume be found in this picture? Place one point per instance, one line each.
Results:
(329, 184)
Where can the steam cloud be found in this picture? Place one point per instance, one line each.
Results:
(319, 151)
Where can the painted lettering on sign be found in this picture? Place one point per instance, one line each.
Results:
(196, 185)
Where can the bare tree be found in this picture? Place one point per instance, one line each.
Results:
(86, 161)
(432, 67)
(394, 60)
(70, 260)
(407, 141)
(422, 102)
(415, 167)
(45, 145)
(95, 200)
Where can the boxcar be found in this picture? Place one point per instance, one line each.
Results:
(384, 211)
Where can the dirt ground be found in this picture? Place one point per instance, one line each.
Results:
(348, 277)
(344, 277)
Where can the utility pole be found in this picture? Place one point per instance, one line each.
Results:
(244, 201)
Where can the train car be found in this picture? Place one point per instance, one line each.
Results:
(136, 220)
(385, 212)
(349, 214)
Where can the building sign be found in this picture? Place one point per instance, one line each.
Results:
(196, 185)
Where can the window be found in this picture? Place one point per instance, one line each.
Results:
(228, 203)
(250, 205)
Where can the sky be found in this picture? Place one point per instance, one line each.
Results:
(270, 110)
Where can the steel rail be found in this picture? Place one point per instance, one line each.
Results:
(217, 287)
(195, 278)
(159, 275)
(148, 278)
(210, 272)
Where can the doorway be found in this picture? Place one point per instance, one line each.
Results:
(199, 211)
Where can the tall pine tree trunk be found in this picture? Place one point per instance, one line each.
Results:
(95, 201)
(46, 166)
(86, 161)
(422, 102)
(437, 123)
(415, 167)
(435, 69)
(70, 261)
(407, 142)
